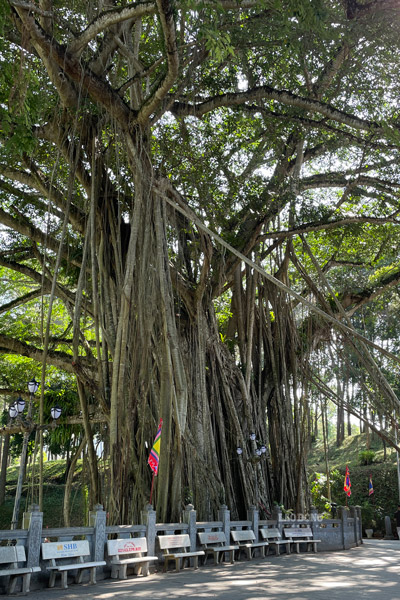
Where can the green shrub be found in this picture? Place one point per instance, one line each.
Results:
(366, 457)
(372, 516)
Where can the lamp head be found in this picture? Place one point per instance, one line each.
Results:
(55, 412)
(20, 404)
(33, 386)
(13, 411)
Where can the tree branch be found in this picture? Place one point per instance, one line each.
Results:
(45, 283)
(107, 19)
(21, 300)
(168, 27)
(318, 226)
(100, 91)
(286, 97)
(24, 226)
(342, 180)
(62, 360)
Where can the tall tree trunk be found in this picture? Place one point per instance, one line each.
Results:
(3, 470)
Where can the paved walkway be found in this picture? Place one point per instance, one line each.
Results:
(371, 569)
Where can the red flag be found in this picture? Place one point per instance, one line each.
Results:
(347, 482)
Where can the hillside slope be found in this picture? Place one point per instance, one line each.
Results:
(383, 471)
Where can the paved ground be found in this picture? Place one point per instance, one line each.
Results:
(371, 569)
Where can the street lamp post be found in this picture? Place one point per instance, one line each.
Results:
(32, 387)
(14, 411)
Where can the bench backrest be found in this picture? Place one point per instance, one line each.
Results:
(127, 546)
(270, 533)
(245, 535)
(54, 550)
(12, 554)
(168, 542)
(291, 532)
(208, 538)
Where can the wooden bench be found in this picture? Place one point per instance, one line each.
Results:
(54, 551)
(245, 538)
(178, 542)
(11, 556)
(272, 535)
(301, 535)
(214, 543)
(126, 552)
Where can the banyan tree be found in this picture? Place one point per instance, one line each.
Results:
(210, 190)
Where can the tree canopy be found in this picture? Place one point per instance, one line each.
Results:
(199, 211)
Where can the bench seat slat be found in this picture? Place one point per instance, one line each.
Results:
(134, 560)
(223, 548)
(77, 565)
(15, 571)
(180, 554)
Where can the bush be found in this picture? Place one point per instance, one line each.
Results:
(372, 516)
(366, 457)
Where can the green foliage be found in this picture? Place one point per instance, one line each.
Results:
(187, 496)
(372, 516)
(319, 490)
(366, 457)
(223, 313)
(384, 476)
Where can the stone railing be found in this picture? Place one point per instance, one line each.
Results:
(341, 533)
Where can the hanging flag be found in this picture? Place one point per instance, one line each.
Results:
(154, 456)
(347, 482)
(370, 486)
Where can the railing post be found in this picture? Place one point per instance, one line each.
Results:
(253, 516)
(224, 515)
(99, 537)
(277, 516)
(354, 516)
(344, 525)
(314, 520)
(359, 522)
(189, 517)
(148, 518)
(34, 536)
